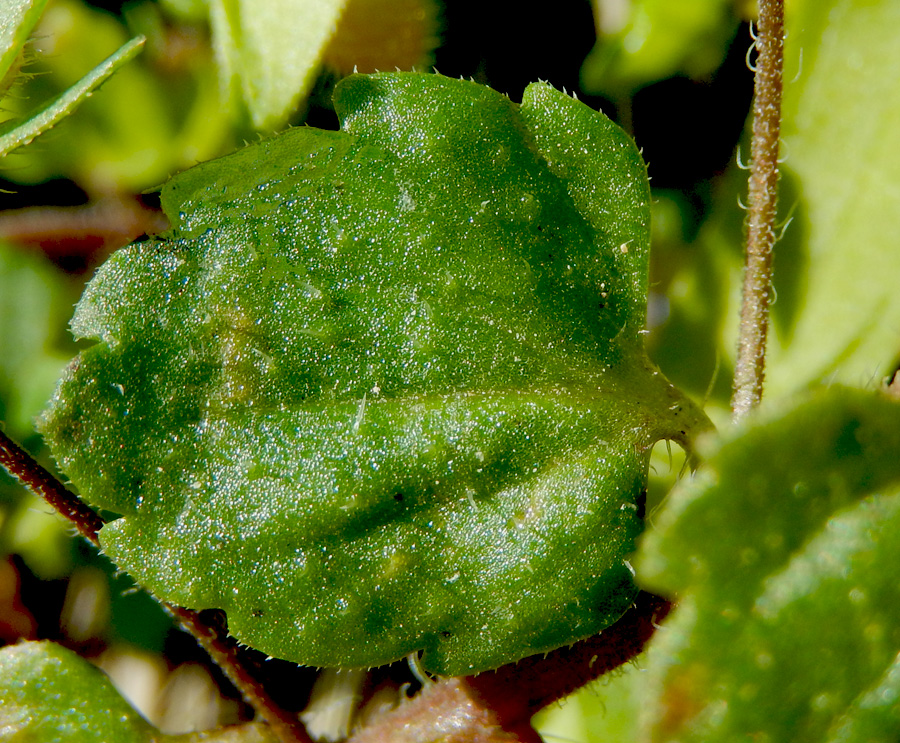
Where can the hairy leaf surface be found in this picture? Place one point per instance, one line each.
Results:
(383, 390)
(786, 575)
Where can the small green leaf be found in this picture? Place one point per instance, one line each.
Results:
(17, 21)
(648, 40)
(269, 52)
(14, 134)
(391, 394)
(783, 554)
(48, 693)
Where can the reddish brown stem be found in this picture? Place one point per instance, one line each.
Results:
(90, 231)
(517, 691)
(496, 707)
(32, 475)
(222, 650)
(763, 192)
(211, 638)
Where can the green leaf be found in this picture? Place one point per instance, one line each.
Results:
(836, 307)
(48, 693)
(783, 555)
(391, 395)
(648, 40)
(17, 21)
(14, 135)
(269, 52)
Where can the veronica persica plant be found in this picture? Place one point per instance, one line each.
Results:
(383, 390)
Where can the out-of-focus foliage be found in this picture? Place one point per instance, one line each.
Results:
(49, 693)
(17, 20)
(268, 53)
(642, 41)
(840, 310)
(34, 304)
(604, 711)
(786, 582)
(159, 114)
(836, 312)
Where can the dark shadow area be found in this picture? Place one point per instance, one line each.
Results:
(688, 129)
(508, 45)
(55, 192)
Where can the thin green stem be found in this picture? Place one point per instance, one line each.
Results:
(749, 372)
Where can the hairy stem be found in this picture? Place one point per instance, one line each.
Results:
(757, 292)
(497, 706)
(211, 638)
(223, 652)
(21, 465)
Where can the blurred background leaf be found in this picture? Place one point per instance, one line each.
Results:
(603, 712)
(843, 311)
(15, 134)
(786, 579)
(35, 302)
(268, 53)
(147, 124)
(643, 41)
(45, 690)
